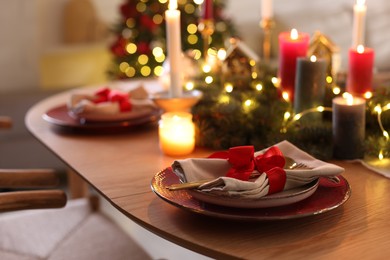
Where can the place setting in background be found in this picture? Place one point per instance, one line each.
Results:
(105, 108)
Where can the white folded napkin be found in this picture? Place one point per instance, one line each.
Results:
(82, 105)
(195, 169)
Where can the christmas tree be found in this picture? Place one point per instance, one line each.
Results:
(139, 49)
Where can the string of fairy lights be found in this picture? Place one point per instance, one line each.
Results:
(289, 116)
(140, 49)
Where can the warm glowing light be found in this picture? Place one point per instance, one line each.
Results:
(157, 51)
(158, 70)
(320, 109)
(221, 54)
(329, 79)
(145, 71)
(287, 115)
(380, 155)
(160, 58)
(275, 81)
(131, 48)
(285, 96)
(360, 2)
(294, 34)
(297, 117)
(368, 95)
(209, 79)
(143, 59)
(206, 68)
(252, 63)
(176, 133)
(248, 102)
(198, 2)
(224, 99)
(360, 49)
(378, 109)
(336, 90)
(158, 18)
(189, 85)
(130, 72)
(313, 58)
(349, 98)
(192, 28)
(130, 22)
(123, 66)
(197, 54)
(192, 39)
(189, 8)
(141, 7)
(172, 4)
(228, 87)
(212, 51)
(259, 87)
(254, 75)
(386, 135)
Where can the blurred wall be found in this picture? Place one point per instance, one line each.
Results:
(30, 28)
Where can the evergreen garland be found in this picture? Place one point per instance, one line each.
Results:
(223, 120)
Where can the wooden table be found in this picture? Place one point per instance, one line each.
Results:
(121, 166)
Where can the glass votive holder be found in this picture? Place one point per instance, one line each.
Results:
(176, 133)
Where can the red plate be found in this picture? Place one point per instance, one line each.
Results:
(328, 196)
(60, 117)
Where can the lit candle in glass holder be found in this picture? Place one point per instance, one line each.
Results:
(177, 133)
(349, 122)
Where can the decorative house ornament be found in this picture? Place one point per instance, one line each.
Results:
(323, 48)
(239, 67)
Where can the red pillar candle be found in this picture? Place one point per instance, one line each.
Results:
(207, 10)
(360, 70)
(291, 46)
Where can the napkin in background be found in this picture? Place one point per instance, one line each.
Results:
(82, 105)
(194, 169)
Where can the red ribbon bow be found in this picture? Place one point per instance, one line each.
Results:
(107, 95)
(244, 163)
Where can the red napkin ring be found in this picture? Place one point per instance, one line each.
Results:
(276, 179)
(243, 164)
(107, 95)
(273, 157)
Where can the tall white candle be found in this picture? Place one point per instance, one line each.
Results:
(359, 11)
(172, 18)
(266, 9)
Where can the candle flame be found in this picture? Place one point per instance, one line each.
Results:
(368, 95)
(172, 4)
(360, 2)
(380, 155)
(285, 96)
(360, 49)
(349, 98)
(313, 58)
(294, 34)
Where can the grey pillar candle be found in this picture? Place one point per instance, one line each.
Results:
(310, 83)
(349, 122)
